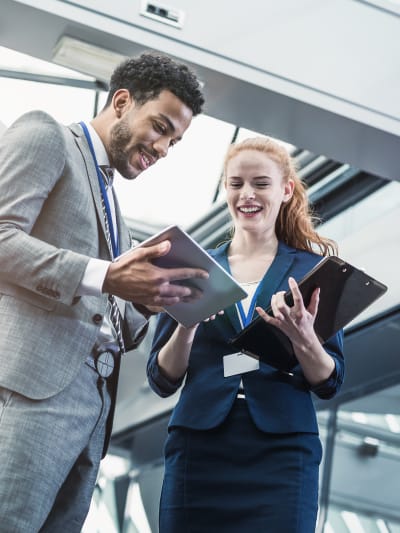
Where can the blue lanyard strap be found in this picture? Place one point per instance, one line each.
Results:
(246, 319)
(115, 244)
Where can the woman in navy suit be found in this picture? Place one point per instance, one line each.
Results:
(243, 450)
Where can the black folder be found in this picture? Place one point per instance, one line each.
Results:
(345, 291)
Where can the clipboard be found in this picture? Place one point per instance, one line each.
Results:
(220, 290)
(346, 291)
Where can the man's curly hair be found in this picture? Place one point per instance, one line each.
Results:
(147, 75)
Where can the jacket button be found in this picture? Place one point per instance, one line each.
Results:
(97, 318)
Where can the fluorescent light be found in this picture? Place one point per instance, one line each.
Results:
(352, 522)
(87, 58)
(359, 418)
(382, 526)
(393, 423)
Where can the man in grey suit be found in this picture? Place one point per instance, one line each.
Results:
(68, 310)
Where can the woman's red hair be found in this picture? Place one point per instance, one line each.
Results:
(296, 222)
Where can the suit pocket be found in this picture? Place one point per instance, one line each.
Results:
(10, 294)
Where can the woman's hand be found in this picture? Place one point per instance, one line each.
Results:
(297, 322)
(195, 326)
(213, 317)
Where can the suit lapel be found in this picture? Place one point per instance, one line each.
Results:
(274, 279)
(92, 175)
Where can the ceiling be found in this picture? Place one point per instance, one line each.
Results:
(319, 75)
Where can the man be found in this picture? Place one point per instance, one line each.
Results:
(62, 334)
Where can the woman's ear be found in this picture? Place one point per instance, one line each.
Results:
(288, 190)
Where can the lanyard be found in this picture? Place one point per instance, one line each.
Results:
(246, 319)
(114, 243)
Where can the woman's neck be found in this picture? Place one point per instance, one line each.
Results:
(251, 244)
(250, 256)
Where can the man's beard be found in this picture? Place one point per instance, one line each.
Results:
(119, 140)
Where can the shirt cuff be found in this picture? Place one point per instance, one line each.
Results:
(93, 278)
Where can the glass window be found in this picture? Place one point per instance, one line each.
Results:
(364, 487)
(65, 104)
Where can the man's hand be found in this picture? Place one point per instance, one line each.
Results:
(135, 278)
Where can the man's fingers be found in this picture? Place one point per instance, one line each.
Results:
(157, 250)
(176, 274)
(145, 253)
(135, 277)
(183, 292)
(149, 253)
(165, 301)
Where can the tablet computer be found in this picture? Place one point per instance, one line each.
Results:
(220, 290)
(345, 291)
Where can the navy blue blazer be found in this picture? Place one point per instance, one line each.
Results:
(278, 402)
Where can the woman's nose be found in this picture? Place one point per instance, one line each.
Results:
(247, 194)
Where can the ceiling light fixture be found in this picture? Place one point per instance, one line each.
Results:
(86, 58)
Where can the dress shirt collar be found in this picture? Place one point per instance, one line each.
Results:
(101, 156)
(98, 146)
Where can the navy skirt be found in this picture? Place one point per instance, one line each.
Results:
(236, 478)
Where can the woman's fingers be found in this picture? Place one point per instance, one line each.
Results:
(314, 302)
(212, 317)
(278, 305)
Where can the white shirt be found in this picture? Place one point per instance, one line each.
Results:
(95, 273)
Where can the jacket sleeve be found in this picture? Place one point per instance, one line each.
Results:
(32, 159)
(160, 384)
(329, 388)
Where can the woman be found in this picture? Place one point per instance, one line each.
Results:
(243, 450)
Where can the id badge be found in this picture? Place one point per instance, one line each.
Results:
(239, 363)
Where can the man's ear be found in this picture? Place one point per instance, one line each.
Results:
(122, 101)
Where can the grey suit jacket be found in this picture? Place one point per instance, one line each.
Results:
(51, 223)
